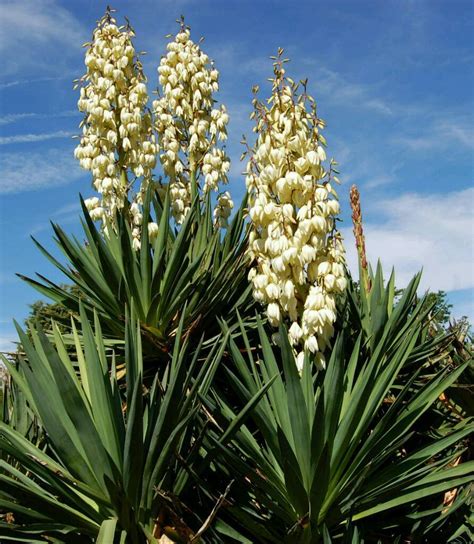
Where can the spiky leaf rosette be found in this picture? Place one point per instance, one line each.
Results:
(110, 465)
(193, 273)
(326, 454)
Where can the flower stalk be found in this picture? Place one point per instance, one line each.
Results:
(359, 239)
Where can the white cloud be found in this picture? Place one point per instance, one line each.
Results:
(31, 171)
(37, 35)
(67, 209)
(27, 138)
(433, 232)
(17, 82)
(378, 181)
(7, 344)
(14, 117)
(462, 134)
(443, 134)
(325, 82)
(337, 89)
(13, 83)
(359, 164)
(10, 118)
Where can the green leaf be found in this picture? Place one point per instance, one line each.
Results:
(107, 531)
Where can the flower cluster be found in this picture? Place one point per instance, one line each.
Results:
(117, 130)
(136, 220)
(188, 125)
(223, 210)
(297, 251)
(136, 216)
(94, 208)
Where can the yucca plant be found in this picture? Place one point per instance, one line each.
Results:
(196, 265)
(332, 450)
(370, 312)
(322, 456)
(159, 252)
(166, 407)
(110, 465)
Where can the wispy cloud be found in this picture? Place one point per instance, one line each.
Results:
(21, 172)
(422, 231)
(8, 84)
(28, 138)
(65, 215)
(440, 135)
(32, 28)
(337, 89)
(14, 117)
(34, 81)
(330, 84)
(378, 181)
(10, 118)
(359, 164)
(67, 209)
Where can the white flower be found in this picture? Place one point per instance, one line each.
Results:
(300, 361)
(341, 284)
(152, 231)
(320, 361)
(96, 214)
(273, 313)
(295, 333)
(91, 203)
(136, 244)
(289, 289)
(324, 267)
(311, 344)
(223, 210)
(329, 281)
(272, 291)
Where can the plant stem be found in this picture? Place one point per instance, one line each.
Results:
(364, 278)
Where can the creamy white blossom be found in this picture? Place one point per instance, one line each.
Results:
(223, 210)
(297, 252)
(152, 231)
(188, 124)
(117, 138)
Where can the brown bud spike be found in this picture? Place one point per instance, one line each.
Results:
(359, 236)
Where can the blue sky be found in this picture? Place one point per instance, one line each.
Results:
(393, 79)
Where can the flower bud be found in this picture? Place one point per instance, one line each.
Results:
(273, 313)
(295, 333)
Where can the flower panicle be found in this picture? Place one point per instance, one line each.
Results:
(117, 139)
(297, 251)
(188, 124)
